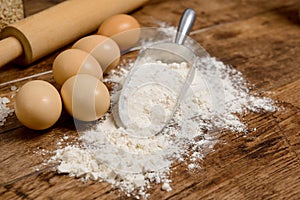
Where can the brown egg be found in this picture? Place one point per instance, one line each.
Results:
(105, 50)
(85, 97)
(75, 61)
(38, 105)
(123, 29)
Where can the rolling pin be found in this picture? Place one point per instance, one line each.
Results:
(42, 33)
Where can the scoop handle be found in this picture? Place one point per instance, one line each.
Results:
(185, 25)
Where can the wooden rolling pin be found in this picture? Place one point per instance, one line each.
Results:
(42, 33)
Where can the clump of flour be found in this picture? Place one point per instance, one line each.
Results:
(130, 161)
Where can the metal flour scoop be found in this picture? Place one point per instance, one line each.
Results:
(148, 73)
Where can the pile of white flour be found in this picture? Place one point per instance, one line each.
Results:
(150, 96)
(217, 95)
(131, 161)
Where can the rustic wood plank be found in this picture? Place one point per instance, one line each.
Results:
(24, 148)
(289, 93)
(209, 13)
(289, 119)
(58, 187)
(6, 194)
(261, 39)
(264, 48)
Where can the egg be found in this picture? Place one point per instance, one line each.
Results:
(123, 29)
(38, 105)
(75, 61)
(85, 97)
(105, 50)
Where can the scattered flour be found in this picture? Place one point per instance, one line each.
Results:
(166, 187)
(4, 110)
(131, 162)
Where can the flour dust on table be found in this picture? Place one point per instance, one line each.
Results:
(5, 111)
(216, 98)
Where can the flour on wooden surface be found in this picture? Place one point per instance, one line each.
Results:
(216, 98)
(5, 110)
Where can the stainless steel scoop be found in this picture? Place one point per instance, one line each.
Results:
(166, 53)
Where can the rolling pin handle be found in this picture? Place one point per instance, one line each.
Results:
(10, 49)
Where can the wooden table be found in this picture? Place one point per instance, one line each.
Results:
(260, 38)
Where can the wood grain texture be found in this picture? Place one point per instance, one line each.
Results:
(260, 38)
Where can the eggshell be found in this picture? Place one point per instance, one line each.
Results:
(105, 50)
(123, 29)
(85, 97)
(75, 61)
(38, 105)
